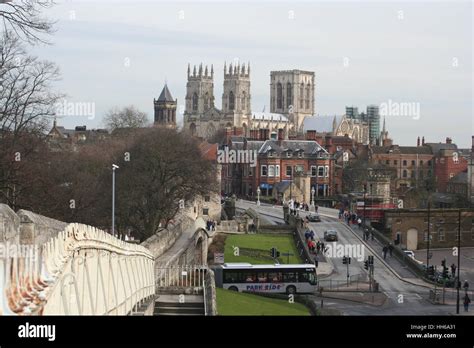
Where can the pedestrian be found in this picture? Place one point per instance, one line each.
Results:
(359, 222)
(306, 235)
(467, 300)
(318, 246)
(453, 269)
(390, 249)
(323, 248)
(311, 235)
(384, 250)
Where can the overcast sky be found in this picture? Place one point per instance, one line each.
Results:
(117, 53)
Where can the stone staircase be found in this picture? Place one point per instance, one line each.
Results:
(174, 304)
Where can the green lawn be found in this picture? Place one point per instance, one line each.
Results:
(263, 242)
(235, 303)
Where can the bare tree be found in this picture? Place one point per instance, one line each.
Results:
(26, 104)
(24, 18)
(164, 167)
(26, 100)
(127, 117)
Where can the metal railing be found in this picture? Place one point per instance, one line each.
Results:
(82, 271)
(356, 282)
(185, 276)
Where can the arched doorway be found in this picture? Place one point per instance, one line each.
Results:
(192, 128)
(199, 252)
(412, 239)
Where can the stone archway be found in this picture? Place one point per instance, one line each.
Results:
(192, 128)
(200, 247)
(412, 239)
(198, 252)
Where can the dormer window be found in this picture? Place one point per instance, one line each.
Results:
(288, 154)
(300, 154)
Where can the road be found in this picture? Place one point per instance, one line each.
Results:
(403, 298)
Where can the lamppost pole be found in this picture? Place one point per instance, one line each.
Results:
(312, 196)
(458, 285)
(428, 237)
(114, 166)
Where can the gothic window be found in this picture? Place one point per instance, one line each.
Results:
(279, 96)
(308, 95)
(195, 102)
(244, 101)
(301, 95)
(288, 95)
(206, 101)
(231, 101)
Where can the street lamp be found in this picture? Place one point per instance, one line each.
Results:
(258, 195)
(312, 196)
(114, 166)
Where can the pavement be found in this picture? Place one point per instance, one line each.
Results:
(467, 261)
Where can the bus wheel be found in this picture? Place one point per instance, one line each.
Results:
(233, 288)
(290, 290)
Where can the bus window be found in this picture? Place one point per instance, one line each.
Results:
(307, 277)
(250, 277)
(231, 277)
(312, 278)
(274, 277)
(262, 277)
(303, 276)
(289, 277)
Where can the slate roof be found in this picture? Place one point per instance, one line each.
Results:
(321, 124)
(407, 150)
(165, 95)
(307, 146)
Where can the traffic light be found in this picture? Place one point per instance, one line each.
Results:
(366, 264)
(274, 252)
(371, 260)
(346, 260)
(443, 263)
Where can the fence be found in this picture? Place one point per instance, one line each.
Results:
(82, 271)
(186, 276)
(357, 282)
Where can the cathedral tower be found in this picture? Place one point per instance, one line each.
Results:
(236, 95)
(292, 94)
(199, 90)
(165, 109)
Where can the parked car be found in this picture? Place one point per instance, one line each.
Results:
(330, 236)
(313, 217)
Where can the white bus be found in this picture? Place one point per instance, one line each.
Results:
(288, 279)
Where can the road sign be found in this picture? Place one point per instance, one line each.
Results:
(218, 258)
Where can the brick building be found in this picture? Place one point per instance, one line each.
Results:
(411, 164)
(303, 162)
(410, 227)
(448, 162)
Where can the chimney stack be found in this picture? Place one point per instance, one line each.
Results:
(418, 142)
(423, 141)
(448, 140)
